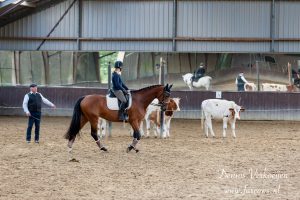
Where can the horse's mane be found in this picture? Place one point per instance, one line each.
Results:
(147, 88)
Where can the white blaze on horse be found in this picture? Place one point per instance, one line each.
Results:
(152, 116)
(228, 111)
(202, 82)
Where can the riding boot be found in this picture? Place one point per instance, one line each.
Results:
(125, 116)
(122, 115)
(121, 111)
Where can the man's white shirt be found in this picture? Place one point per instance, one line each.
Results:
(243, 78)
(26, 99)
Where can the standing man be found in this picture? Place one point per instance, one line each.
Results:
(120, 90)
(240, 81)
(32, 104)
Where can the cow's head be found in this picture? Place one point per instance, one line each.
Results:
(172, 106)
(235, 111)
(175, 104)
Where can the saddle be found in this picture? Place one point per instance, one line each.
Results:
(196, 79)
(113, 103)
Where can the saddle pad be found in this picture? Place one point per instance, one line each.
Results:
(112, 102)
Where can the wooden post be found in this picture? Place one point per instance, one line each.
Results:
(162, 82)
(257, 73)
(289, 74)
(46, 67)
(109, 86)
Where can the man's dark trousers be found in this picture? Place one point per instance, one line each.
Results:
(36, 119)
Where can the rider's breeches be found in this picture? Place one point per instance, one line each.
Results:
(120, 95)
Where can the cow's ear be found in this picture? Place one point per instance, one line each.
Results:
(242, 109)
(231, 109)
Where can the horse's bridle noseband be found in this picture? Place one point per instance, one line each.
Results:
(162, 104)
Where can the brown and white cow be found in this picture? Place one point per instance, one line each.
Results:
(153, 117)
(250, 87)
(228, 111)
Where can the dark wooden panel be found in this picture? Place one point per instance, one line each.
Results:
(65, 98)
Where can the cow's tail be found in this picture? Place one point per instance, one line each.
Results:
(202, 117)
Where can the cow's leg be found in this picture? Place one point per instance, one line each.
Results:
(99, 133)
(209, 124)
(131, 132)
(142, 128)
(207, 86)
(225, 120)
(147, 127)
(101, 128)
(168, 127)
(156, 130)
(233, 128)
(206, 128)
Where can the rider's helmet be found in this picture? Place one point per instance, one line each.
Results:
(118, 64)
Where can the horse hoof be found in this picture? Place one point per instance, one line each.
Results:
(136, 150)
(103, 149)
(73, 160)
(129, 148)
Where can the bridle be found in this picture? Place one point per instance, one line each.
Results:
(163, 105)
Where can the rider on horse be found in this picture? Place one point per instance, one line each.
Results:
(296, 77)
(199, 73)
(120, 90)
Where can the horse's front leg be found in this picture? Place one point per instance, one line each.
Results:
(136, 136)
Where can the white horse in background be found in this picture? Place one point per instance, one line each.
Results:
(202, 82)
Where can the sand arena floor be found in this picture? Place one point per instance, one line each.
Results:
(261, 163)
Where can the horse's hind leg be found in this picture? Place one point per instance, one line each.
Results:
(83, 121)
(94, 129)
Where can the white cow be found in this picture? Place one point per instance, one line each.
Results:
(202, 82)
(229, 111)
(274, 87)
(153, 116)
(250, 87)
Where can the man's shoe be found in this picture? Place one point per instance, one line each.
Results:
(27, 141)
(37, 142)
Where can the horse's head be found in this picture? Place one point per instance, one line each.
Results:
(164, 96)
(187, 78)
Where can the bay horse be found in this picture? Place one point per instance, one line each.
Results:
(89, 108)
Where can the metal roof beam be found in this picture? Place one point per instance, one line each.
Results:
(7, 2)
(27, 4)
(29, 11)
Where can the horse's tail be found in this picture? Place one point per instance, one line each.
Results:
(75, 123)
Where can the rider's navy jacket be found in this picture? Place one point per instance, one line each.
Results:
(117, 82)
